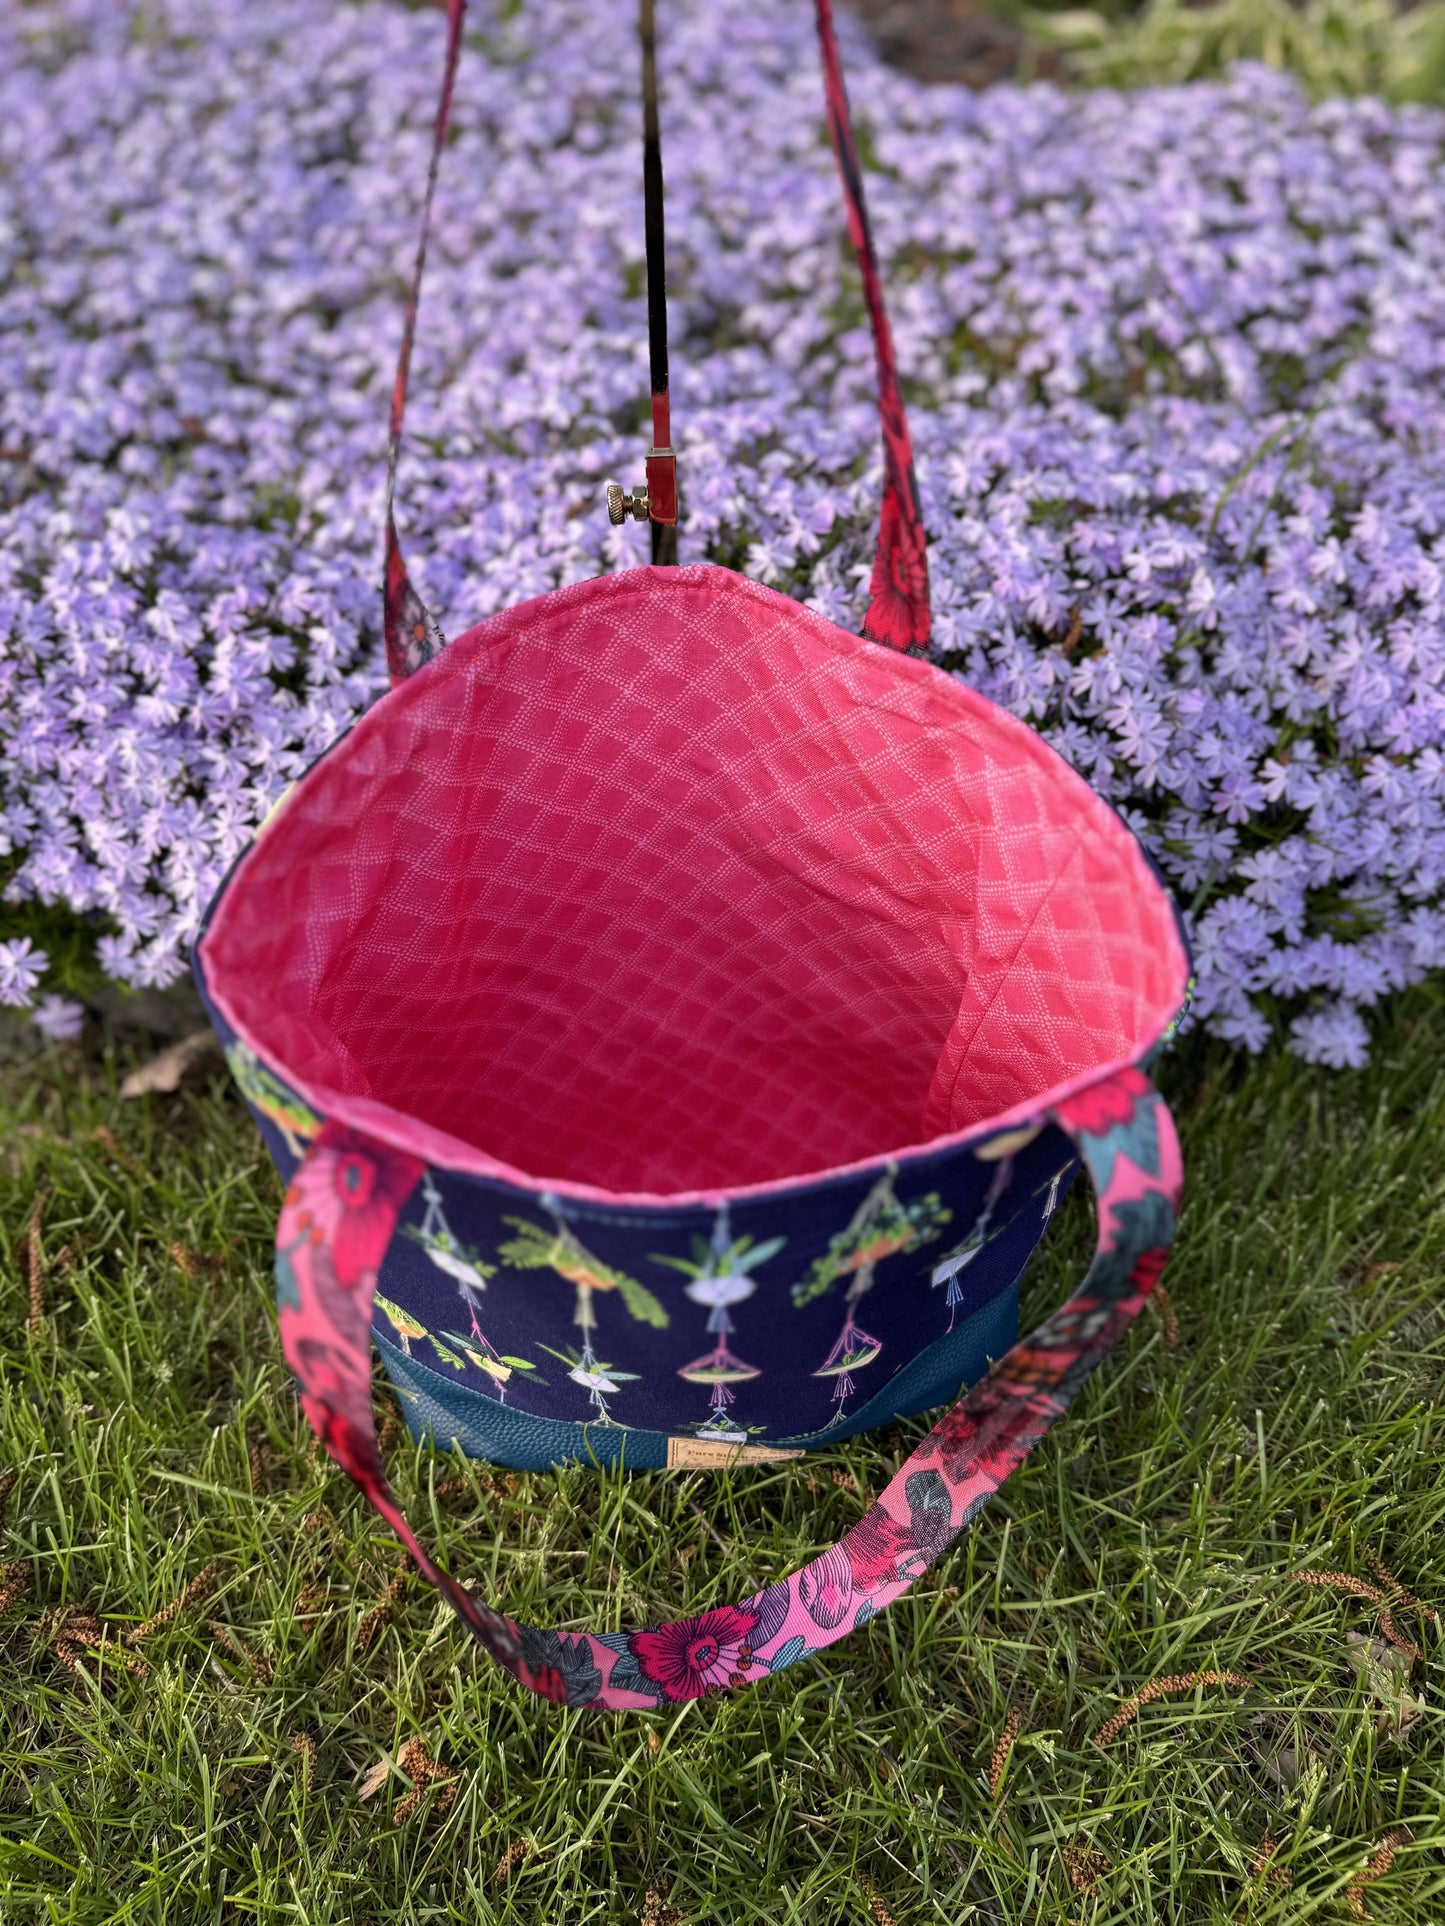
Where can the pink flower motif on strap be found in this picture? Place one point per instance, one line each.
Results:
(348, 1196)
(1103, 1106)
(699, 1655)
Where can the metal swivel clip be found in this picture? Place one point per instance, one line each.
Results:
(620, 505)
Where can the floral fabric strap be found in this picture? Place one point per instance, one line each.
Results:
(340, 1214)
(898, 611)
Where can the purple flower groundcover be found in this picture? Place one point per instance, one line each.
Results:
(1176, 364)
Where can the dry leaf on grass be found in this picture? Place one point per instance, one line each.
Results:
(1385, 1675)
(1291, 1766)
(164, 1072)
(375, 1779)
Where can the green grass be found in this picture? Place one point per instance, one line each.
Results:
(1335, 46)
(1295, 1424)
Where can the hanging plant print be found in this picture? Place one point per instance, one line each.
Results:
(719, 1279)
(469, 1272)
(852, 1349)
(402, 1322)
(881, 1227)
(466, 1269)
(280, 1106)
(409, 1328)
(951, 1266)
(1052, 1187)
(1001, 1153)
(597, 1378)
(561, 1250)
(500, 1366)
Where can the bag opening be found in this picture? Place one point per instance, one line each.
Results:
(664, 883)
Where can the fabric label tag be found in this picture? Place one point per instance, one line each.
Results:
(708, 1454)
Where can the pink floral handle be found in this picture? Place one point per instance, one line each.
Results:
(411, 632)
(898, 612)
(338, 1219)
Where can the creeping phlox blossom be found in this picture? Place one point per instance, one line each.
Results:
(58, 1017)
(21, 968)
(1177, 372)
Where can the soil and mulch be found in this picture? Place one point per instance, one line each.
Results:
(954, 40)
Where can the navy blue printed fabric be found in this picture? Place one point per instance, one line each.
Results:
(776, 1320)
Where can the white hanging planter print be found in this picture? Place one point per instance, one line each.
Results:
(952, 1264)
(718, 1272)
(469, 1272)
(597, 1378)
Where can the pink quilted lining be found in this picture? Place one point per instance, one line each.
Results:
(662, 884)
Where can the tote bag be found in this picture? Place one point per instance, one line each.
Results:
(676, 1020)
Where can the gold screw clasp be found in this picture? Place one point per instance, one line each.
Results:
(620, 504)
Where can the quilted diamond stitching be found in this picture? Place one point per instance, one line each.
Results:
(665, 883)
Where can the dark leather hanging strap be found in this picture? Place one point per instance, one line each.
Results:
(898, 592)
